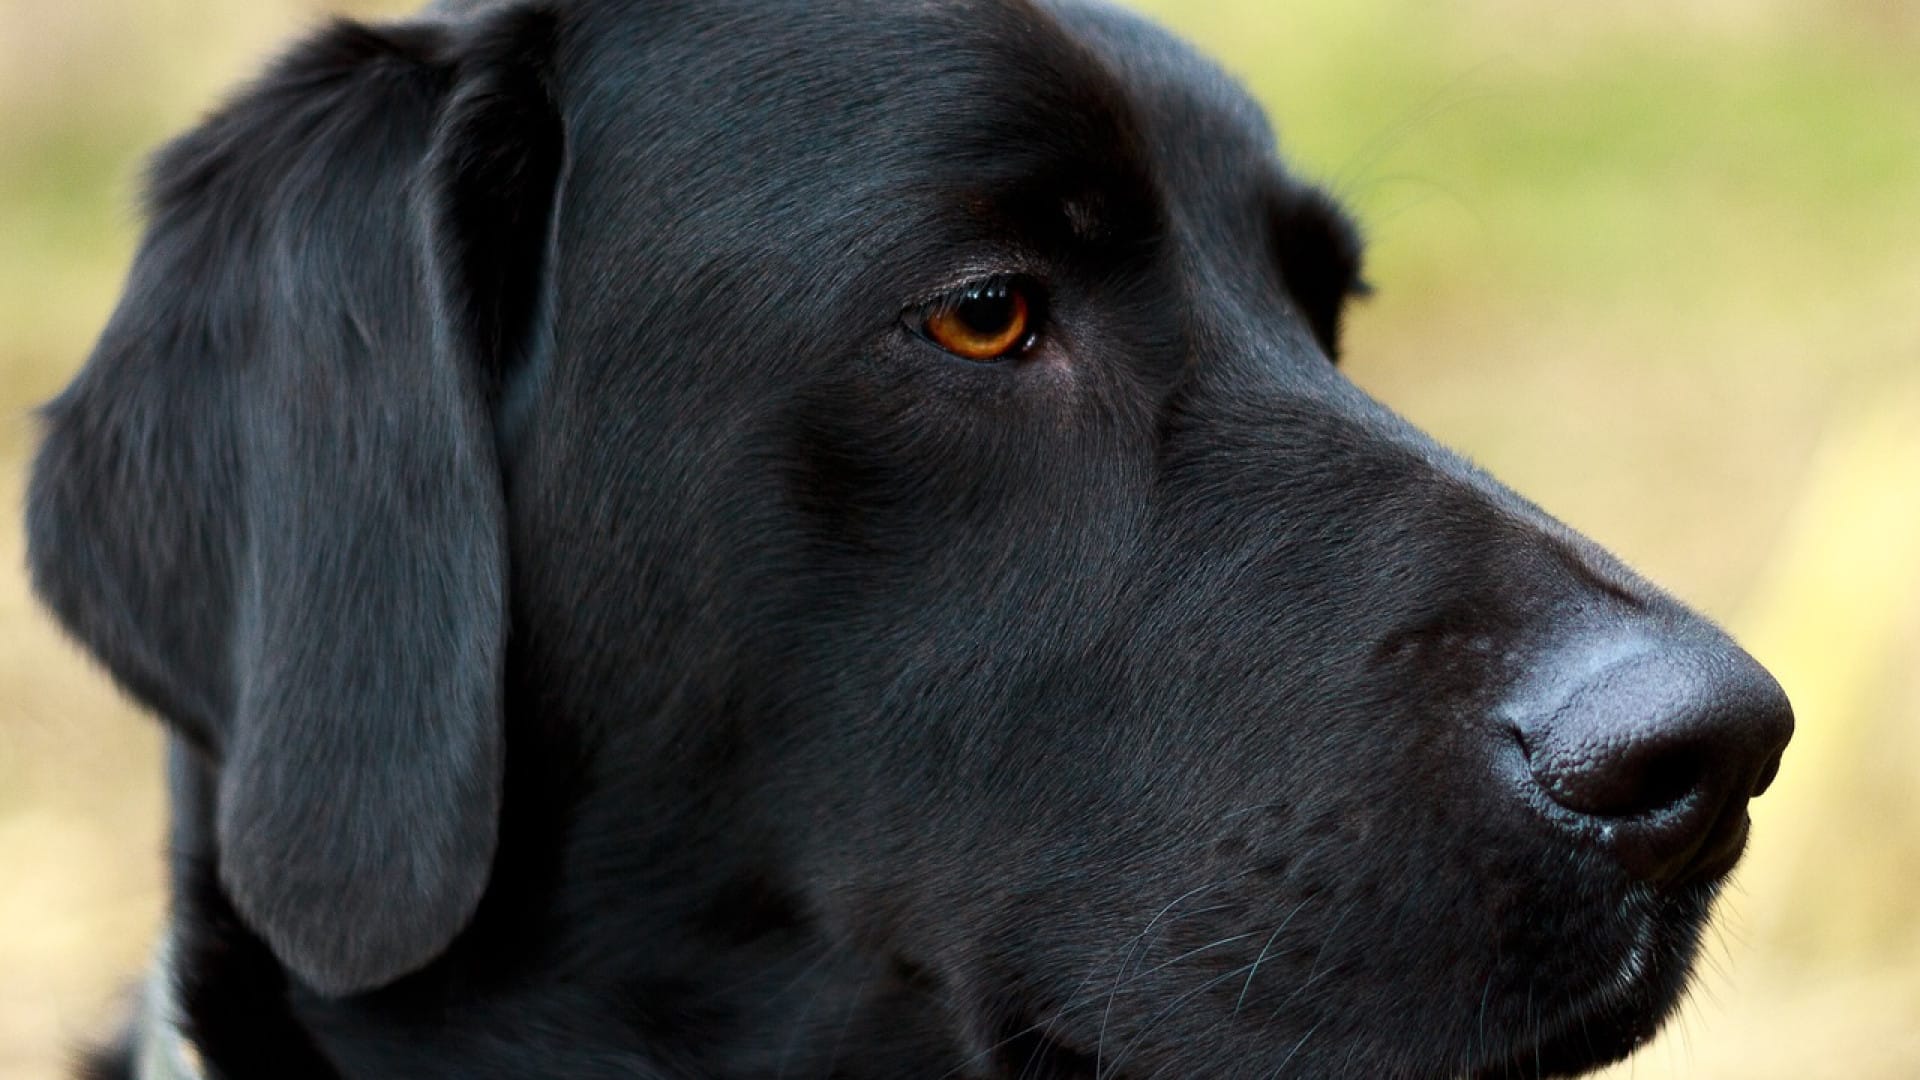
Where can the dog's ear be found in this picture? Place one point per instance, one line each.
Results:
(271, 503)
(1319, 251)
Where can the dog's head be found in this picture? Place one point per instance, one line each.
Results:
(860, 497)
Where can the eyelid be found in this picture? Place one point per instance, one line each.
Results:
(956, 291)
(1005, 266)
(971, 289)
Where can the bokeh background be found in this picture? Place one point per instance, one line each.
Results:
(1654, 262)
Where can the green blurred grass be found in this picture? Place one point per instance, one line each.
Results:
(1658, 265)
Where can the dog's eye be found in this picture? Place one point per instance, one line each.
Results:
(990, 320)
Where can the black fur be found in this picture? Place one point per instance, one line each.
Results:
(603, 639)
(111, 1062)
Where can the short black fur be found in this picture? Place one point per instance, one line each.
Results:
(601, 639)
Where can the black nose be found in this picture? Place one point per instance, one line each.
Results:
(1657, 749)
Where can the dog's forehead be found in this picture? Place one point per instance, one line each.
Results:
(1182, 107)
(878, 84)
(1179, 93)
(867, 152)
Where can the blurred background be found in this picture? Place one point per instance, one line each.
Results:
(1656, 263)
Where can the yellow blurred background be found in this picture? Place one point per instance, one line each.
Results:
(1654, 262)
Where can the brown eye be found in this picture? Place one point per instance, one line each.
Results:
(986, 322)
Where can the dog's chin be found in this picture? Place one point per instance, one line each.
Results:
(1631, 993)
(1618, 1014)
(1585, 1039)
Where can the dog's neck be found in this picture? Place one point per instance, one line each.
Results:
(605, 948)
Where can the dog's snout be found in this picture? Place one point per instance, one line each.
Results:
(1657, 748)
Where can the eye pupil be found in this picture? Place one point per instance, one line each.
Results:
(987, 312)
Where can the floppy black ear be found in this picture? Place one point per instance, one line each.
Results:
(1319, 251)
(271, 502)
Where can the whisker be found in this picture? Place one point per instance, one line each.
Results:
(846, 1022)
(1486, 991)
(797, 1031)
(1285, 1061)
(1099, 1044)
(1313, 973)
(1188, 955)
(1167, 1011)
(1275, 936)
(1452, 93)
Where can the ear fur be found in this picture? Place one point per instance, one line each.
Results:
(271, 503)
(1319, 251)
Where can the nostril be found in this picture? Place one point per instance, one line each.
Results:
(1666, 744)
(1664, 780)
(1618, 778)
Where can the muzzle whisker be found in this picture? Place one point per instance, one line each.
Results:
(1126, 958)
(1165, 1013)
(1271, 938)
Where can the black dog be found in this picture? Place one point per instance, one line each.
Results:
(758, 539)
